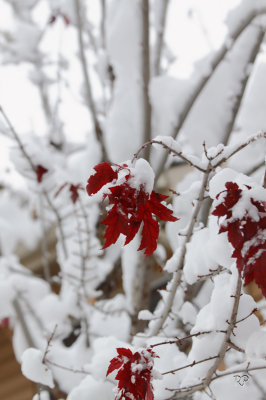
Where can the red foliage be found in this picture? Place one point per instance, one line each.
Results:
(40, 171)
(104, 174)
(246, 234)
(130, 207)
(53, 18)
(74, 194)
(134, 374)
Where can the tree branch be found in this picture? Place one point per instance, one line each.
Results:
(89, 97)
(177, 275)
(145, 72)
(160, 38)
(218, 58)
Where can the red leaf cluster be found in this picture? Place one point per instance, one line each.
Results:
(40, 171)
(130, 207)
(247, 235)
(134, 374)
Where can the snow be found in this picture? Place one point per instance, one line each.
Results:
(123, 47)
(256, 345)
(96, 389)
(142, 175)
(34, 369)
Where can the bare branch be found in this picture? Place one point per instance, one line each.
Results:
(145, 69)
(230, 329)
(177, 275)
(237, 148)
(160, 38)
(89, 97)
(170, 151)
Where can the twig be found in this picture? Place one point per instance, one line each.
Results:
(59, 221)
(179, 340)
(49, 344)
(103, 20)
(25, 330)
(17, 138)
(230, 329)
(170, 150)
(145, 72)
(172, 371)
(235, 150)
(45, 254)
(177, 275)
(160, 38)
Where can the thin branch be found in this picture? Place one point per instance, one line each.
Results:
(177, 275)
(170, 150)
(17, 138)
(236, 149)
(145, 72)
(230, 329)
(49, 341)
(59, 221)
(254, 169)
(172, 371)
(103, 21)
(44, 248)
(160, 38)
(179, 340)
(25, 330)
(89, 97)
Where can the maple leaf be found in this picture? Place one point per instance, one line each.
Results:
(104, 174)
(40, 171)
(134, 373)
(246, 234)
(131, 208)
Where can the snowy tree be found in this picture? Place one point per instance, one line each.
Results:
(148, 300)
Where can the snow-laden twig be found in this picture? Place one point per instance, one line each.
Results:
(172, 151)
(158, 325)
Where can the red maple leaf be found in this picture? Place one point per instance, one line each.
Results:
(246, 234)
(134, 374)
(104, 174)
(131, 206)
(40, 171)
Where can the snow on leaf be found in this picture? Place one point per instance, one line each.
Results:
(131, 204)
(247, 233)
(134, 373)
